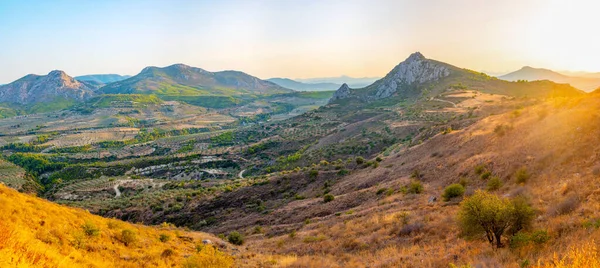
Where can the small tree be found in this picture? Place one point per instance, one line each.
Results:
(487, 213)
(328, 198)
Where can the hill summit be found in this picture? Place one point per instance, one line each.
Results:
(181, 79)
(44, 88)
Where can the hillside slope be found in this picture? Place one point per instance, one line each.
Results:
(532, 74)
(37, 233)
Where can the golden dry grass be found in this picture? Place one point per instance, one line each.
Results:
(38, 233)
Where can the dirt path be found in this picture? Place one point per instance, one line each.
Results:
(454, 104)
(117, 191)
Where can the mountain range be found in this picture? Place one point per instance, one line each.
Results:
(587, 82)
(418, 76)
(410, 78)
(300, 86)
(102, 78)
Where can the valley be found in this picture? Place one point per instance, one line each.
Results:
(351, 178)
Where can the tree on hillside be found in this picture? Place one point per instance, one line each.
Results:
(487, 213)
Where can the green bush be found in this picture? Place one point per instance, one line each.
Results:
(164, 238)
(453, 190)
(381, 191)
(522, 175)
(479, 169)
(328, 198)
(494, 184)
(486, 175)
(359, 160)
(415, 187)
(128, 237)
(313, 173)
(235, 238)
(90, 229)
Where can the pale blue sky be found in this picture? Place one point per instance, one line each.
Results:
(296, 39)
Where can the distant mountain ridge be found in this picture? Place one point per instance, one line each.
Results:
(45, 88)
(180, 79)
(102, 78)
(344, 79)
(418, 76)
(300, 86)
(587, 84)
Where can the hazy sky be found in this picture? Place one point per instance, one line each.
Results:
(296, 39)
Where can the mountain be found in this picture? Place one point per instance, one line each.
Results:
(351, 81)
(300, 86)
(183, 80)
(418, 76)
(45, 88)
(588, 83)
(102, 78)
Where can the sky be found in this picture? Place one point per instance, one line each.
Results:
(293, 38)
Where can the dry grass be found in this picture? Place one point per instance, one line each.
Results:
(37, 233)
(559, 149)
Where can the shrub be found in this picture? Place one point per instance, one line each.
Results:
(501, 129)
(489, 214)
(90, 229)
(463, 181)
(359, 160)
(523, 214)
(486, 175)
(378, 159)
(328, 198)
(416, 174)
(164, 238)
(381, 191)
(235, 238)
(343, 172)
(167, 253)
(479, 169)
(494, 184)
(415, 187)
(128, 237)
(566, 206)
(313, 173)
(539, 237)
(522, 175)
(453, 190)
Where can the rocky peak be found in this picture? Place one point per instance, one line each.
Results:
(416, 69)
(342, 93)
(35, 88)
(417, 56)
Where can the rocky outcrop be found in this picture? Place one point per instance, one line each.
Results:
(342, 93)
(416, 69)
(44, 88)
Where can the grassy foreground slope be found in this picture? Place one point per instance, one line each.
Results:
(38, 233)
